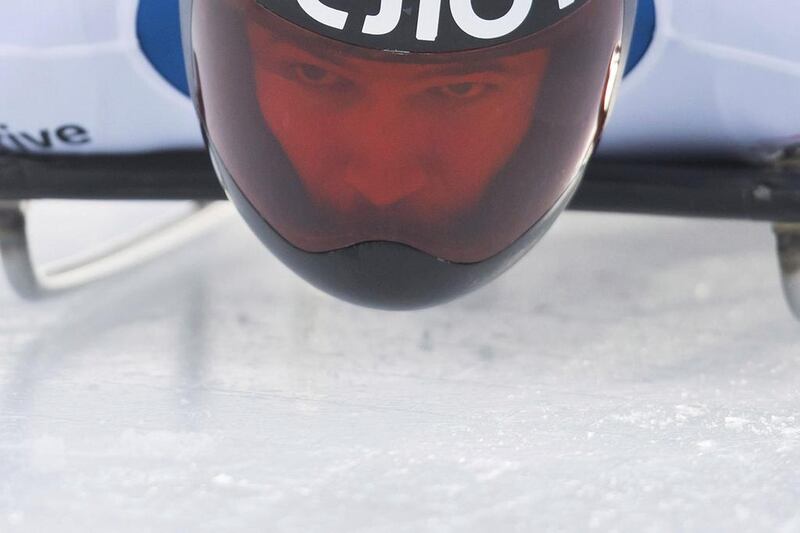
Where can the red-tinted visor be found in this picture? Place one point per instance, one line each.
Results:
(456, 154)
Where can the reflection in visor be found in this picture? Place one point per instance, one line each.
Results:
(455, 154)
(401, 143)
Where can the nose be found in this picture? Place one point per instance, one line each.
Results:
(385, 163)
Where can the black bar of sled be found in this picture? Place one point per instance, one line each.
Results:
(697, 189)
(702, 189)
(182, 175)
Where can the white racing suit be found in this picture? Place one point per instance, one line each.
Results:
(720, 77)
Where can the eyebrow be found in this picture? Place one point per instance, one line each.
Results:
(464, 69)
(325, 56)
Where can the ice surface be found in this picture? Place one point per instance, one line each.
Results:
(631, 374)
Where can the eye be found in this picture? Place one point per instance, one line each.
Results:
(313, 75)
(463, 91)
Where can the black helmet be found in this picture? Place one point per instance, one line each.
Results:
(399, 153)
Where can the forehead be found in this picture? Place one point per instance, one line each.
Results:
(382, 68)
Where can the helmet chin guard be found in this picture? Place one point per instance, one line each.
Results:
(400, 153)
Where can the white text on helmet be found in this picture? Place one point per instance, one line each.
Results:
(463, 12)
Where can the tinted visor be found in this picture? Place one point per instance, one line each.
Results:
(456, 154)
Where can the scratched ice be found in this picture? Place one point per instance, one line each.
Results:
(632, 373)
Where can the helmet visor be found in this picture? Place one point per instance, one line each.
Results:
(455, 153)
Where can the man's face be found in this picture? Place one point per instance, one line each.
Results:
(419, 140)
